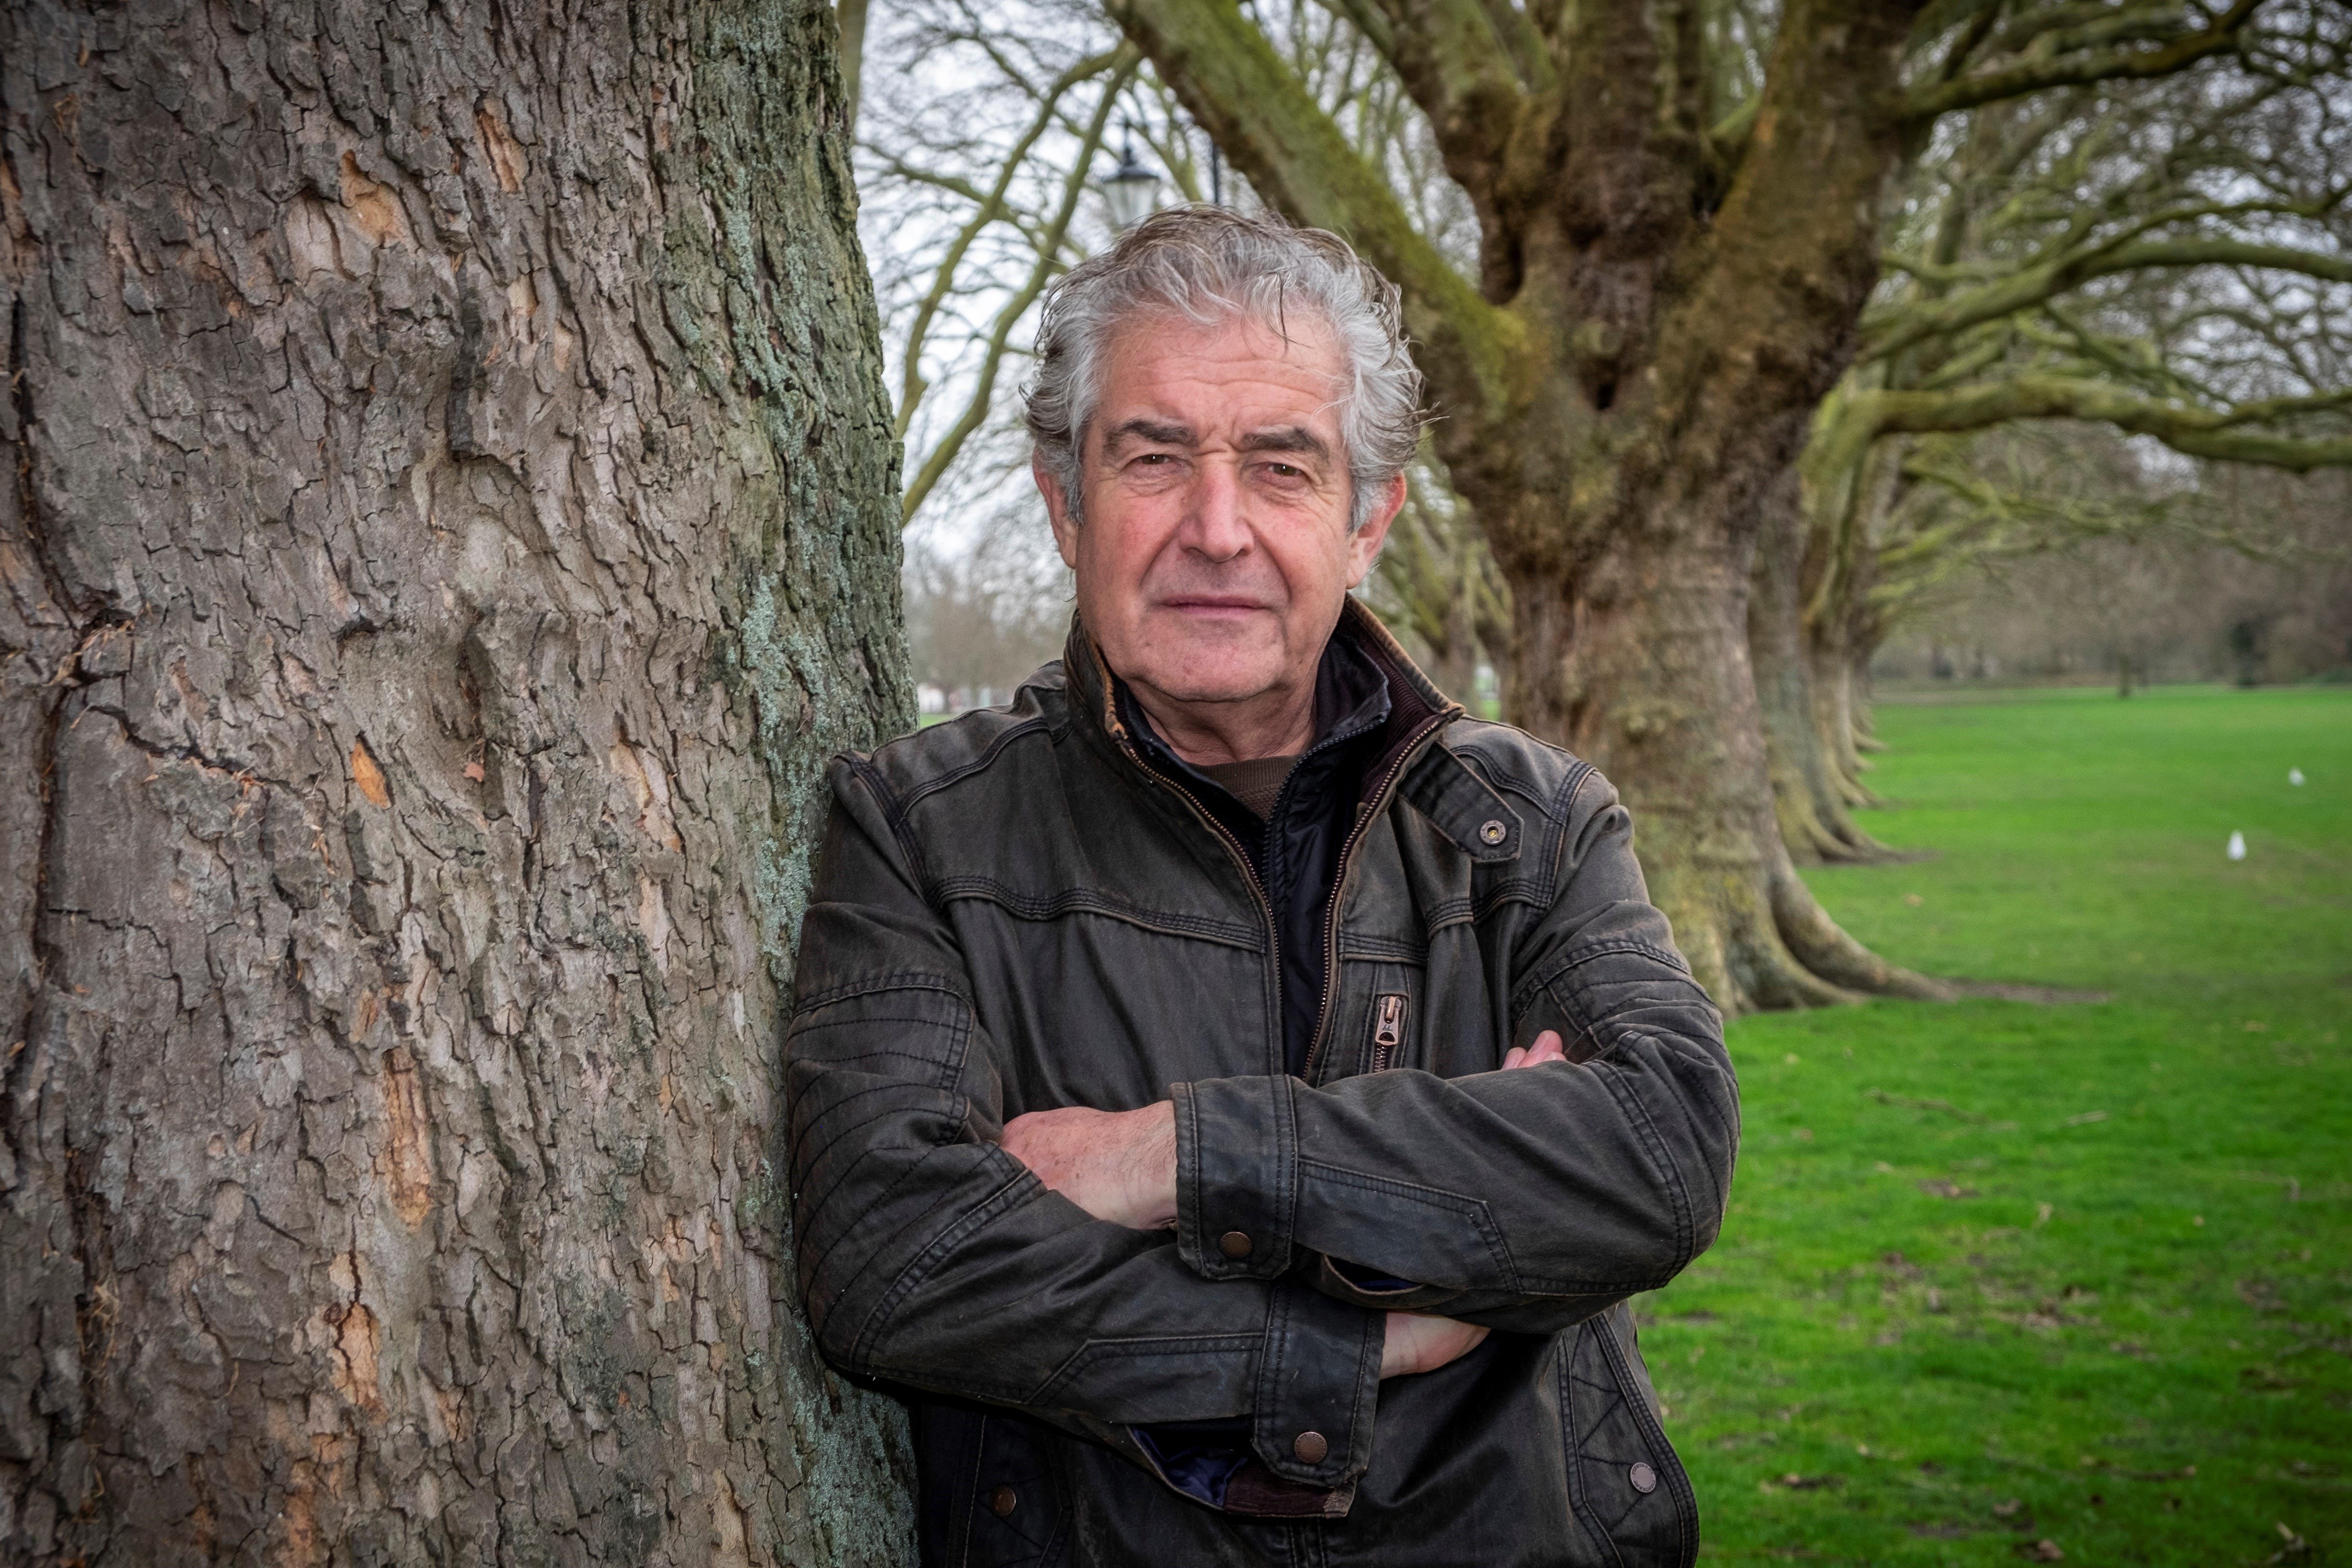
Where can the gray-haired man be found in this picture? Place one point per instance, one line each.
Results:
(1233, 1093)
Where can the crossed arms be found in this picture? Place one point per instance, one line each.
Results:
(1029, 1263)
(1121, 1166)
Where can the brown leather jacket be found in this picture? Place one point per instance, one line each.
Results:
(1013, 913)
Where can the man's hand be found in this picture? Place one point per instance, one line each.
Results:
(1118, 1165)
(1422, 1342)
(1546, 1048)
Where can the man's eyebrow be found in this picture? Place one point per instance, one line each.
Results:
(1285, 438)
(1157, 431)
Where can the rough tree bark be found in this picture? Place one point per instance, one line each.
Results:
(448, 520)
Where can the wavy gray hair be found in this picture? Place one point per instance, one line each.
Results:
(1209, 265)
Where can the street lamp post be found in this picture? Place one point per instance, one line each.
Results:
(1132, 190)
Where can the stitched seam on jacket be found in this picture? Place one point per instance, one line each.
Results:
(1654, 1436)
(919, 1268)
(1197, 1241)
(1517, 890)
(1269, 1363)
(1579, 1497)
(963, 771)
(1088, 900)
(1476, 1211)
(813, 1202)
(900, 828)
(1499, 775)
(1381, 950)
(819, 1265)
(1285, 1158)
(1540, 1284)
(1559, 969)
(902, 980)
(950, 1065)
(1358, 1439)
(1637, 1116)
(1086, 1355)
(1573, 787)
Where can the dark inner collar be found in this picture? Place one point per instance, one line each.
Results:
(1351, 699)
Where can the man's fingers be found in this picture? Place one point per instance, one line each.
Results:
(1422, 1342)
(1546, 1048)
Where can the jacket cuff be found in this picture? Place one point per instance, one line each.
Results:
(1236, 1176)
(1318, 1387)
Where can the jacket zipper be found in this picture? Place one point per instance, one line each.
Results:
(1387, 1030)
(1377, 804)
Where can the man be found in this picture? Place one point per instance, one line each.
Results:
(1232, 1092)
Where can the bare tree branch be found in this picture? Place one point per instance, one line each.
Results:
(2085, 66)
(1234, 84)
(2230, 435)
(1048, 264)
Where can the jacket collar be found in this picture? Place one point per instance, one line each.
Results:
(1455, 800)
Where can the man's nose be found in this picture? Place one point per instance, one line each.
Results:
(1214, 526)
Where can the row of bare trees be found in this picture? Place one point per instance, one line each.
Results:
(1749, 326)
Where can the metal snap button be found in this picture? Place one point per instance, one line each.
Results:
(1494, 832)
(1310, 1447)
(1236, 1245)
(1645, 1479)
(1003, 1501)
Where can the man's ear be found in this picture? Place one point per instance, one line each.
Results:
(1057, 510)
(1364, 544)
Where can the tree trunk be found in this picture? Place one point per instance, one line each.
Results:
(1829, 651)
(1809, 794)
(448, 522)
(1859, 700)
(1655, 319)
(1641, 667)
(1454, 660)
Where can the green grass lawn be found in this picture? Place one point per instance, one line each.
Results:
(1997, 1273)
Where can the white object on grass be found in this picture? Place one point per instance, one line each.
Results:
(2294, 775)
(2237, 846)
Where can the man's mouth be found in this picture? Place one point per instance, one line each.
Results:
(1213, 604)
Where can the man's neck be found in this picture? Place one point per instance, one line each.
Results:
(1279, 723)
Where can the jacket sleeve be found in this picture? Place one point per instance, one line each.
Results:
(1524, 1200)
(928, 1256)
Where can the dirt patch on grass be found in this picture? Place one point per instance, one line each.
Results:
(2041, 995)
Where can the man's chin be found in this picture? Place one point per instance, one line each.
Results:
(1208, 681)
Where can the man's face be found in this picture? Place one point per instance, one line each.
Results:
(1213, 553)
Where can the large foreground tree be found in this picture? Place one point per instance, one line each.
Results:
(1680, 214)
(448, 519)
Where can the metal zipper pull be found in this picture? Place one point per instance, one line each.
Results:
(1388, 1028)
